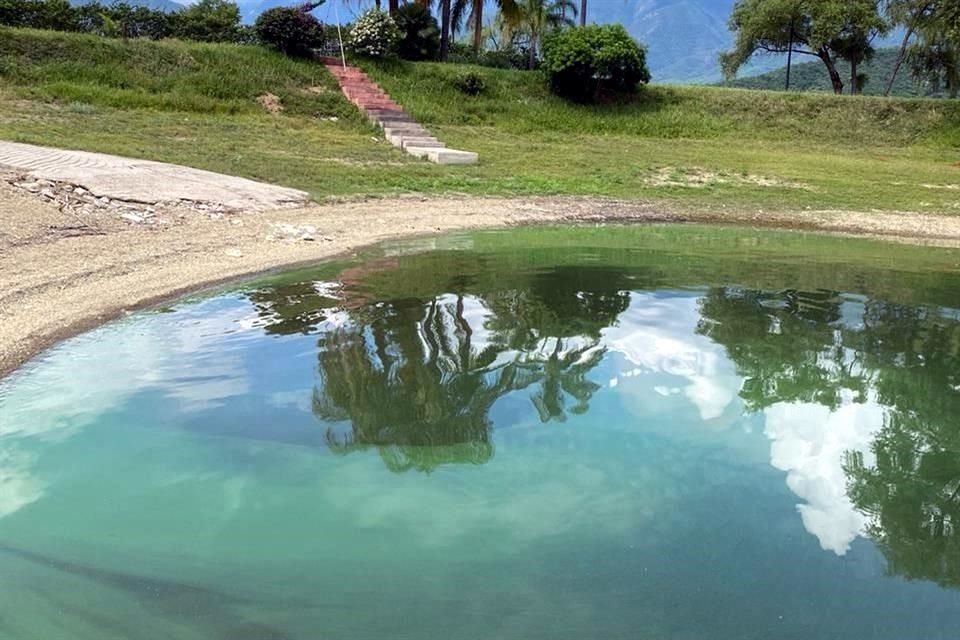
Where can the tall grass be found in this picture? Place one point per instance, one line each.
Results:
(701, 147)
(165, 75)
(519, 102)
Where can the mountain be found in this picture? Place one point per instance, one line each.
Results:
(812, 76)
(160, 5)
(683, 37)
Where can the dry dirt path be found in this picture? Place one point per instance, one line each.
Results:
(66, 266)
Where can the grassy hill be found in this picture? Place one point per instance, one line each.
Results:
(812, 76)
(694, 147)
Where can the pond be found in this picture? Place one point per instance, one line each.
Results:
(665, 432)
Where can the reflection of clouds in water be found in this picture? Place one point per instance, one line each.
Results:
(658, 335)
(17, 486)
(809, 442)
(185, 354)
(554, 494)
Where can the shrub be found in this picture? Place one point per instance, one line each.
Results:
(419, 33)
(470, 83)
(514, 58)
(208, 21)
(39, 14)
(292, 30)
(374, 35)
(584, 63)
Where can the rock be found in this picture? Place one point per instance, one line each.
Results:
(32, 187)
(103, 202)
(79, 191)
(48, 193)
(234, 253)
(131, 217)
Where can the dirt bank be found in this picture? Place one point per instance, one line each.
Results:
(61, 274)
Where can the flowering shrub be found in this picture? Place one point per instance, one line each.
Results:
(374, 35)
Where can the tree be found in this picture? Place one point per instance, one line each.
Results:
(444, 29)
(825, 29)
(209, 21)
(471, 13)
(583, 13)
(858, 23)
(911, 15)
(536, 18)
(935, 57)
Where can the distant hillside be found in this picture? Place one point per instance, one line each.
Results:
(812, 76)
(161, 5)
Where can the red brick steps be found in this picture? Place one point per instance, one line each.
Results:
(400, 129)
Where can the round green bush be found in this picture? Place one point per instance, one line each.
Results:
(292, 30)
(419, 33)
(374, 35)
(585, 63)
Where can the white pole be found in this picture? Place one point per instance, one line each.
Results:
(336, 11)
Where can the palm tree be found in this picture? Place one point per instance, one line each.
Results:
(536, 18)
(471, 13)
(583, 13)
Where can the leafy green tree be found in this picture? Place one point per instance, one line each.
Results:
(209, 21)
(586, 63)
(826, 29)
(912, 15)
(57, 15)
(536, 18)
(291, 30)
(935, 57)
(859, 23)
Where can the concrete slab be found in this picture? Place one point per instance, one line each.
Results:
(145, 181)
(422, 142)
(405, 129)
(443, 155)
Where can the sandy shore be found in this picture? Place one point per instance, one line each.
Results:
(60, 275)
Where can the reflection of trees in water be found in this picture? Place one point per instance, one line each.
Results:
(408, 379)
(414, 381)
(790, 347)
(292, 307)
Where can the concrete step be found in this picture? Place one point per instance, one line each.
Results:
(402, 141)
(405, 129)
(428, 142)
(399, 127)
(443, 155)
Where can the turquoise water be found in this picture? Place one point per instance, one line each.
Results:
(678, 433)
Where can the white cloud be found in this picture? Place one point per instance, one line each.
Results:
(658, 336)
(809, 443)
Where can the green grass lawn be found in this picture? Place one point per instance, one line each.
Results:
(700, 147)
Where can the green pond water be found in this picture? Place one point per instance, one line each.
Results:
(640, 432)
